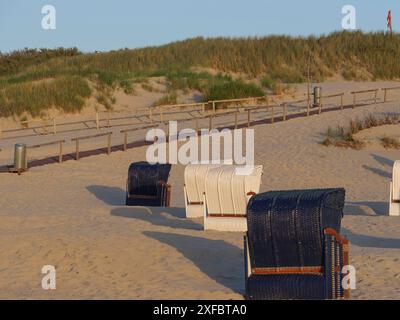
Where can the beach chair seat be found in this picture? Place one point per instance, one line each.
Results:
(147, 185)
(293, 248)
(394, 204)
(280, 287)
(226, 196)
(221, 223)
(194, 188)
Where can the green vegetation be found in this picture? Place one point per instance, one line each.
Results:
(231, 90)
(171, 98)
(66, 93)
(17, 61)
(344, 136)
(275, 60)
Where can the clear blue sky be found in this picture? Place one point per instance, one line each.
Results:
(112, 24)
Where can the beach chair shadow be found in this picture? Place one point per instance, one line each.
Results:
(206, 255)
(383, 161)
(163, 217)
(378, 171)
(379, 208)
(112, 196)
(365, 241)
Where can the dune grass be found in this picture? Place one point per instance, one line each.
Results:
(231, 90)
(66, 93)
(274, 60)
(343, 136)
(167, 99)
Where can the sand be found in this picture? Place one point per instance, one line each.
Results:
(72, 216)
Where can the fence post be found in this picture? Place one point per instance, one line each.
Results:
(272, 114)
(60, 158)
(109, 143)
(376, 94)
(54, 126)
(77, 149)
(284, 112)
(151, 115)
(125, 141)
(108, 119)
(213, 105)
(354, 100)
(341, 102)
(319, 108)
(197, 125)
(97, 121)
(248, 118)
(320, 105)
(211, 122)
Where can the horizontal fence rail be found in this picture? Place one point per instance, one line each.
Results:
(78, 139)
(46, 144)
(267, 109)
(156, 114)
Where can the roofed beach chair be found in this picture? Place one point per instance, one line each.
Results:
(194, 188)
(226, 196)
(293, 249)
(147, 185)
(394, 206)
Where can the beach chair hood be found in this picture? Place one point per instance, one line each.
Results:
(293, 249)
(226, 190)
(286, 228)
(396, 182)
(195, 177)
(144, 179)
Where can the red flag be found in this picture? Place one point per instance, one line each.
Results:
(389, 21)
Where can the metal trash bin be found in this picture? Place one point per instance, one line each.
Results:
(317, 97)
(20, 159)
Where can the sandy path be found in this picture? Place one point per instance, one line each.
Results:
(72, 216)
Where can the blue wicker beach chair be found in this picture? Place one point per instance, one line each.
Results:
(147, 185)
(293, 249)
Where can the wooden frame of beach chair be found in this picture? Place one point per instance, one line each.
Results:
(193, 189)
(394, 201)
(226, 197)
(272, 278)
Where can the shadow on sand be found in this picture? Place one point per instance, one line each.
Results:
(163, 217)
(371, 241)
(382, 160)
(112, 196)
(218, 259)
(378, 171)
(366, 208)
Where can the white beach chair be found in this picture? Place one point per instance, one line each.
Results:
(394, 205)
(195, 176)
(226, 196)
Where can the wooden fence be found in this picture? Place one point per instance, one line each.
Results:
(78, 139)
(274, 111)
(58, 142)
(355, 93)
(158, 113)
